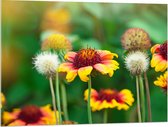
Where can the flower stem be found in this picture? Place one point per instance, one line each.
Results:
(58, 97)
(53, 99)
(89, 96)
(64, 101)
(138, 100)
(142, 96)
(105, 117)
(148, 97)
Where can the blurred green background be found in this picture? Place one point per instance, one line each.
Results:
(98, 25)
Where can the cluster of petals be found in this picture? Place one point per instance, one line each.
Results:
(109, 98)
(159, 57)
(162, 81)
(85, 61)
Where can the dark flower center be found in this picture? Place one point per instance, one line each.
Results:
(163, 50)
(30, 114)
(109, 95)
(86, 57)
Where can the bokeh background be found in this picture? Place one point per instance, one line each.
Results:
(99, 25)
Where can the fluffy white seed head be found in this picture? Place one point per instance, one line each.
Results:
(46, 63)
(137, 62)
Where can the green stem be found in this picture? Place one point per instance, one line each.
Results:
(64, 101)
(148, 98)
(138, 100)
(142, 96)
(58, 97)
(105, 117)
(89, 96)
(53, 99)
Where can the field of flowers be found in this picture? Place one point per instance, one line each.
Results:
(83, 63)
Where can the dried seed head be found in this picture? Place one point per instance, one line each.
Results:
(135, 39)
(137, 62)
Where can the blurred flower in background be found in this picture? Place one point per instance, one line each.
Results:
(11, 58)
(110, 98)
(29, 115)
(56, 42)
(57, 20)
(3, 100)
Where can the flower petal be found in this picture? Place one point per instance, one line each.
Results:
(101, 68)
(162, 80)
(155, 60)
(127, 98)
(84, 72)
(48, 115)
(17, 123)
(106, 55)
(71, 74)
(8, 117)
(94, 94)
(65, 67)
(112, 65)
(108, 62)
(161, 66)
(155, 48)
(104, 104)
(70, 56)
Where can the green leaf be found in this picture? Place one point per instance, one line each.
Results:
(93, 8)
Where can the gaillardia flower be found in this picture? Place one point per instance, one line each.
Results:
(137, 62)
(159, 58)
(108, 98)
(56, 42)
(162, 81)
(85, 61)
(29, 115)
(46, 63)
(3, 100)
(135, 39)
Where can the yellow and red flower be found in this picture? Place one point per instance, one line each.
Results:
(3, 100)
(83, 62)
(162, 81)
(108, 98)
(159, 58)
(29, 115)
